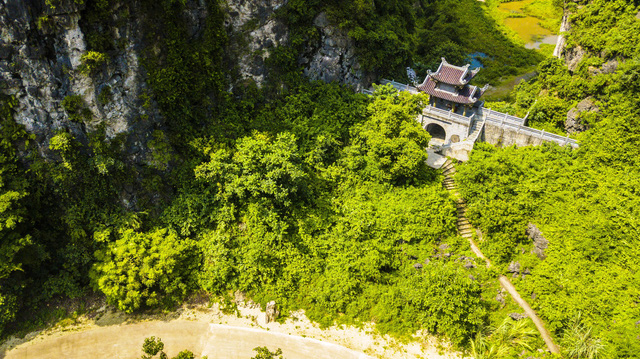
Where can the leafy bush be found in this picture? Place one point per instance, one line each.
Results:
(145, 269)
(265, 353)
(76, 108)
(105, 96)
(91, 62)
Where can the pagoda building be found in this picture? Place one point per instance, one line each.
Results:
(449, 89)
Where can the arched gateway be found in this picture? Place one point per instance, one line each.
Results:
(454, 103)
(436, 131)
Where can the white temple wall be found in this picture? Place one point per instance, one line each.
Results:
(451, 128)
(504, 137)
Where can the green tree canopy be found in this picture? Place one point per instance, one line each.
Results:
(145, 269)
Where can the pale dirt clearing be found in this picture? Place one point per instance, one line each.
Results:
(208, 331)
(212, 340)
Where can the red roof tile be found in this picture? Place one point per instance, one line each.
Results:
(454, 75)
(467, 95)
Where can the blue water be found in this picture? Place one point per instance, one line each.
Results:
(475, 59)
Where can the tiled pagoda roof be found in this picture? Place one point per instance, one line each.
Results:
(458, 78)
(467, 95)
(454, 75)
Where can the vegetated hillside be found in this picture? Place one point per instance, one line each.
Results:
(584, 202)
(150, 167)
(157, 159)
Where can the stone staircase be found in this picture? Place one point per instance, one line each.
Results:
(465, 228)
(469, 233)
(477, 127)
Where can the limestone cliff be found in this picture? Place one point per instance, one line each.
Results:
(573, 56)
(41, 63)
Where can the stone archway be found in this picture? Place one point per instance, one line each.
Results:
(436, 131)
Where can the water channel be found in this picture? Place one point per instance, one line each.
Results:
(528, 27)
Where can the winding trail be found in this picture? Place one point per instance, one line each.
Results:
(467, 231)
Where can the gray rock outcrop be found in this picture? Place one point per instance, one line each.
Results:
(610, 66)
(574, 122)
(255, 32)
(271, 312)
(41, 51)
(500, 297)
(540, 243)
(333, 57)
(573, 56)
(517, 316)
(40, 64)
(514, 267)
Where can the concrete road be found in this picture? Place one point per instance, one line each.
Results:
(213, 340)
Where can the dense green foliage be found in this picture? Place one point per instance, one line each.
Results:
(508, 340)
(153, 347)
(14, 237)
(319, 198)
(585, 202)
(390, 35)
(304, 193)
(144, 269)
(265, 353)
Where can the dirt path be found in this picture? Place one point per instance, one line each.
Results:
(546, 336)
(467, 231)
(206, 330)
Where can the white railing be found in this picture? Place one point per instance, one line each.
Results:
(448, 115)
(501, 116)
(503, 120)
(533, 132)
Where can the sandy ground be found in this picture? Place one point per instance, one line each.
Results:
(207, 331)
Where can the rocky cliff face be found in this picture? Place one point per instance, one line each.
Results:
(40, 64)
(256, 30)
(41, 54)
(333, 57)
